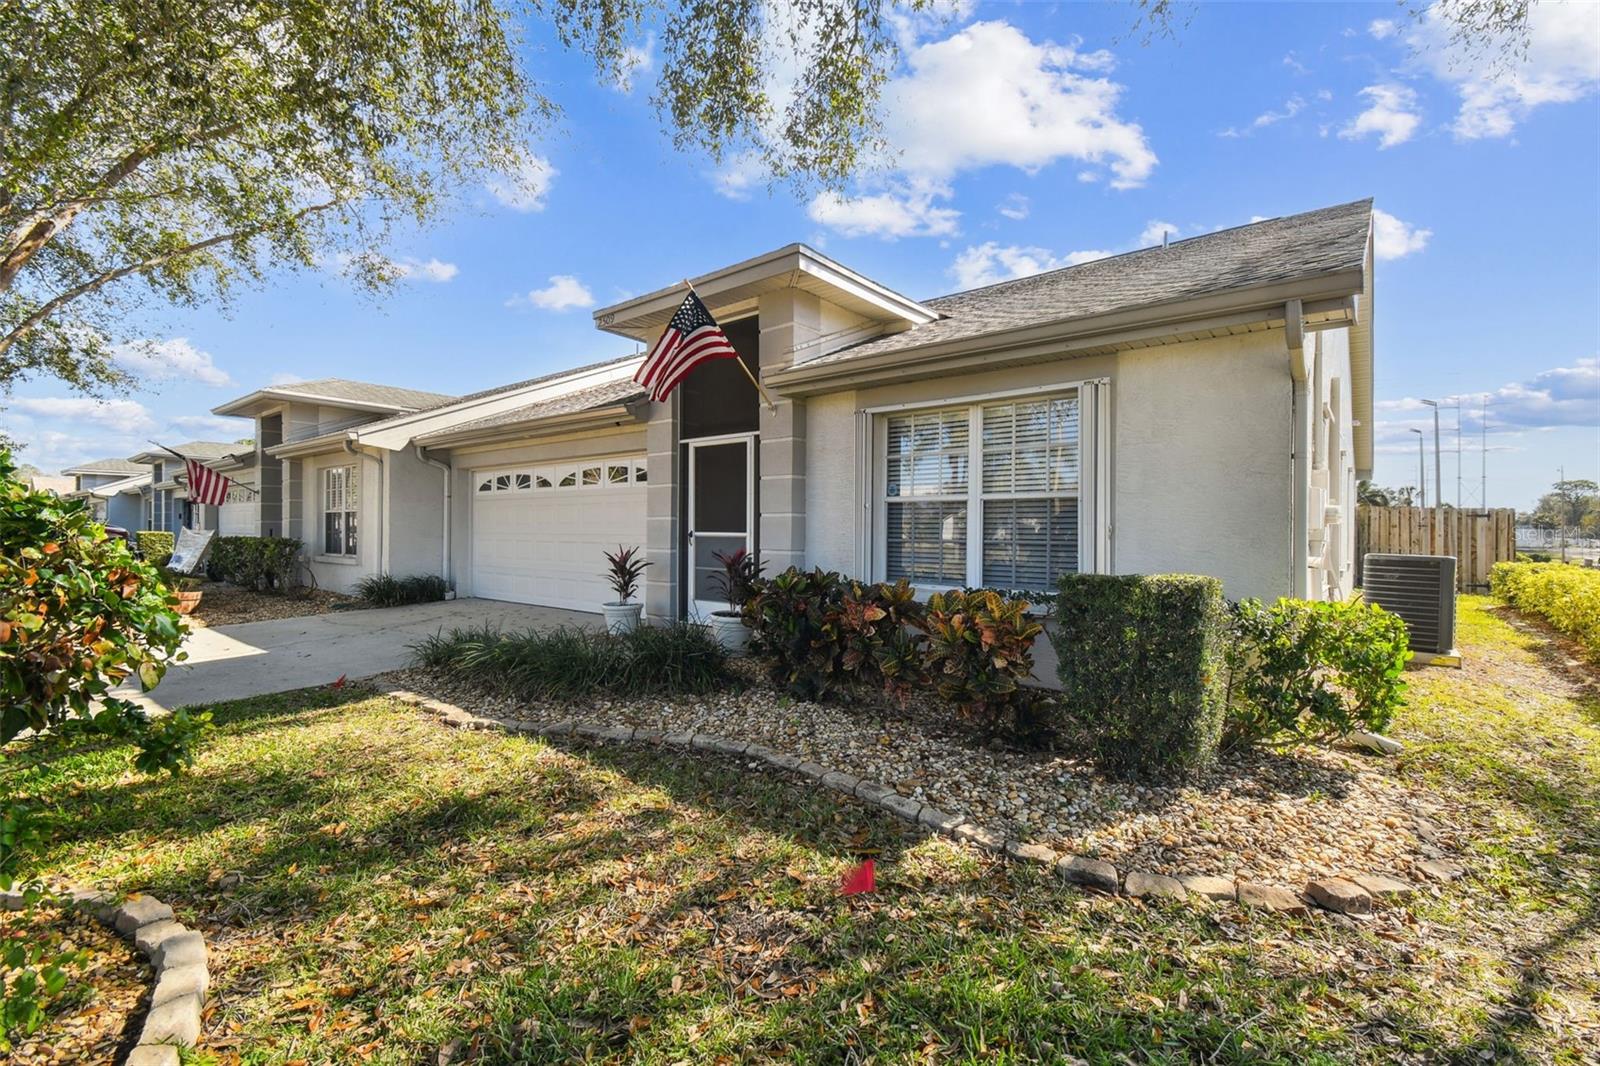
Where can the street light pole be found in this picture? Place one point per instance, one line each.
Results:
(1422, 475)
(1438, 484)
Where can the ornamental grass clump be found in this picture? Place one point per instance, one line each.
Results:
(1143, 669)
(569, 664)
(386, 590)
(1566, 596)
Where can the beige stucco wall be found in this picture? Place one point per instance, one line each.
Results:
(414, 499)
(1200, 469)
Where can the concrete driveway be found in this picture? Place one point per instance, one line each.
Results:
(255, 658)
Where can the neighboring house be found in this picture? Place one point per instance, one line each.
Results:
(59, 487)
(89, 479)
(1202, 407)
(164, 498)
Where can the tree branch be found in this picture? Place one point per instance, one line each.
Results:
(51, 306)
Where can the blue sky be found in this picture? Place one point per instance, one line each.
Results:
(1029, 136)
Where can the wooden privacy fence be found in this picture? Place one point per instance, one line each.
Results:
(1478, 539)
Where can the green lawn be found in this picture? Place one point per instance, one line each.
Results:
(378, 888)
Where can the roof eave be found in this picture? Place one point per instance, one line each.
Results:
(804, 378)
(244, 406)
(616, 414)
(642, 317)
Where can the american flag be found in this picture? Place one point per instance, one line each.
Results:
(205, 484)
(691, 338)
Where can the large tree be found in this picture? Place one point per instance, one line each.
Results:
(163, 150)
(1565, 505)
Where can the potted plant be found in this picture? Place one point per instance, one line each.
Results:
(623, 574)
(736, 582)
(189, 594)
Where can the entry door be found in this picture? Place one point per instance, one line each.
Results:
(721, 513)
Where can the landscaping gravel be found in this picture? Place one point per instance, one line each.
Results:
(1278, 817)
(225, 605)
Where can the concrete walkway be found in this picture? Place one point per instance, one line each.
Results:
(255, 658)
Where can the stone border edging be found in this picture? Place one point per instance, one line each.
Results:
(1354, 896)
(178, 955)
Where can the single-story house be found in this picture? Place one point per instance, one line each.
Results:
(1204, 406)
(92, 482)
(164, 498)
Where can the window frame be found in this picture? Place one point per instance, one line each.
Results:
(1092, 482)
(349, 532)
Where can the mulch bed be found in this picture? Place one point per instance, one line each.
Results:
(227, 605)
(1278, 817)
(98, 1015)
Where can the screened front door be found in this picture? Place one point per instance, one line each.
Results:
(721, 514)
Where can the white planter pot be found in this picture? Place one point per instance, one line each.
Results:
(621, 618)
(730, 631)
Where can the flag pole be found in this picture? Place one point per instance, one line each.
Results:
(185, 459)
(740, 360)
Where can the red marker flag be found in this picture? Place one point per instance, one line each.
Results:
(859, 880)
(338, 684)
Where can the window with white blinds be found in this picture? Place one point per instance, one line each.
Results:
(1014, 523)
(340, 502)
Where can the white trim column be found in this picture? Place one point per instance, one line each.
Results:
(662, 522)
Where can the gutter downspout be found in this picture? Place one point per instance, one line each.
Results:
(350, 446)
(1294, 337)
(449, 476)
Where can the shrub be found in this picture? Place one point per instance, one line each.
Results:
(571, 664)
(1566, 596)
(155, 546)
(980, 655)
(386, 590)
(1313, 671)
(796, 620)
(737, 580)
(884, 639)
(262, 563)
(1143, 671)
(78, 615)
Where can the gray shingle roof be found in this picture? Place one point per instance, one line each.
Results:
(208, 449)
(1278, 249)
(106, 466)
(366, 392)
(605, 395)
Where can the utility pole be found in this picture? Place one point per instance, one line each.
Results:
(1483, 453)
(1422, 473)
(1561, 475)
(1458, 457)
(1438, 484)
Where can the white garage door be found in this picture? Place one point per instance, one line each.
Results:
(538, 531)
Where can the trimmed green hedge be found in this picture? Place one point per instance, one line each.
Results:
(1142, 662)
(1566, 596)
(155, 546)
(263, 563)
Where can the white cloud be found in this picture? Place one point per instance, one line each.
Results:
(1382, 29)
(737, 177)
(1295, 65)
(426, 270)
(564, 293)
(1015, 207)
(1391, 114)
(215, 427)
(990, 95)
(1394, 239)
(638, 60)
(1560, 396)
(902, 212)
(170, 360)
(129, 416)
(1562, 65)
(991, 262)
(1291, 107)
(525, 188)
